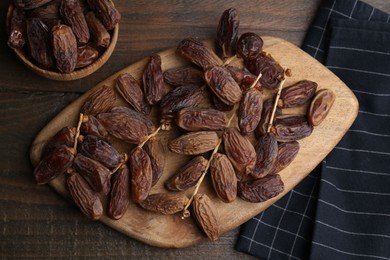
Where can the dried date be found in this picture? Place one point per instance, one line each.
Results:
(92, 126)
(183, 76)
(249, 111)
(287, 152)
(243, 78)
(64, 137)
(54, 164)
(39, 43)
(155, 149)
(188, 175)
(131, 91)
(85, 198)
(124, 127)
(205, 215)
(227, 32)
(260, 190)
(179, 98)
(64, 48)
(165, 203)
(99, 150)
(72, 15)
(99, 101)
(240, 151)
(198, 53)
(297, 94)
(86, 55)
(249, 45)
(266, 153)
(223, 178)
(98, 32)
(320, 106)
(17, 29)
(95, 173)
(194, 143)
(141, 174)
(153, 80)
(106, 12)
(198, 119)
(291, 128)
(119, 195)
(139, 116)
(223, 85)
(272, 72)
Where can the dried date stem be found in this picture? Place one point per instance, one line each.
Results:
(151, 135)
(186, 212)
(124, 161)
(81, 119)
(276, 101)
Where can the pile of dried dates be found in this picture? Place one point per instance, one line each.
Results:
(62, 35)
(216, 106)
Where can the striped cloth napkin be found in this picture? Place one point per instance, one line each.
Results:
(342, 209)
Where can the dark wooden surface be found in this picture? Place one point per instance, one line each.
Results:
(35, 221)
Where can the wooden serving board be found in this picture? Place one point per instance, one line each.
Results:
(173, 232)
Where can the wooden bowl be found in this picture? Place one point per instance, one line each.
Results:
(77, 73)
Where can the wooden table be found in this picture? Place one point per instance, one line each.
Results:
(35, 221)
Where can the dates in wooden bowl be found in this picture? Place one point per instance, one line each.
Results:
(62, 40)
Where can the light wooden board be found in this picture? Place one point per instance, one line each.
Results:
(174, 232)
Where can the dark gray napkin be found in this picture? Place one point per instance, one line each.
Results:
(342, 209)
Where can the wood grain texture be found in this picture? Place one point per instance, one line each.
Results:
(35, 221)
(170, 231)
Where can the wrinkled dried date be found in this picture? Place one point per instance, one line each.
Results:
(188, 175)
(64, 48)
(99, 101)
(249, 111)
(165, 203)
(155, 149)
(320, 106)
(260, 190)
(139, 116)
(272, 72)
(223, 85)
(106, 12)
(92, 126)
(17, 29)
(291, 128)
(244, 78)
(47, 13)
(205, 215)
(85, 198)
(249, 45)
(39, 43)
(98, 32)
(286, 154)
(124, 127)
(95, 173)
(54, 164)
(266, 152)
(198, 53)
(223, 178)
(72, 15)
(179, 98)
(240, 151)
(198, 119)
(194, 143)
(227, 32)
(130, 90)
(183, 76)
(119, 194)
(297, 94)
(141, 174)
(153, 80)
(266, 116)
(86, 55)
(99, 150)
(64, 137)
